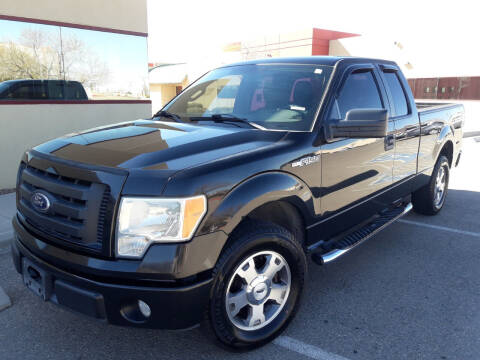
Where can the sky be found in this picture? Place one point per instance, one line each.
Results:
(437, 36)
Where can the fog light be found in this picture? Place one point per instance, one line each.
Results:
(144, 308)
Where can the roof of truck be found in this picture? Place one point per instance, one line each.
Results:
(308, 60)
(16, 81)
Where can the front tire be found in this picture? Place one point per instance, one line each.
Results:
(429, 200)
(258, 281)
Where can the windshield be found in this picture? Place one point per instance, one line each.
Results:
(281, 97)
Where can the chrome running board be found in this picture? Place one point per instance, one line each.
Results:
(359, 236)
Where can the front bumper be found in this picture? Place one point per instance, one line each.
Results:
(173, 304)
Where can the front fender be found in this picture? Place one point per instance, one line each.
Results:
(254, 192)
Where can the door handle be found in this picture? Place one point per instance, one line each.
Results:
(389, 142)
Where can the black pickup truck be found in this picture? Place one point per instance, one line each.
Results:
(56, 90)
(206, 213)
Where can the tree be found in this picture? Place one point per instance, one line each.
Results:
(41, 44)
(93, 72)
(18, 63)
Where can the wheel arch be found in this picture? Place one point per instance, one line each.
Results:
(278, 197)
(447, 151)
(445, 145)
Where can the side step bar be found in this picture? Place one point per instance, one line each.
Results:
(358, 236)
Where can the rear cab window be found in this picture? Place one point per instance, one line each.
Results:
(400, 104)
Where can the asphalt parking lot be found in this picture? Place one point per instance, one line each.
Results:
(411, 292)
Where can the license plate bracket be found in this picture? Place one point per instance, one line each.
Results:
(36, 279)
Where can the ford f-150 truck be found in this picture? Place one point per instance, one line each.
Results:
(206, 213)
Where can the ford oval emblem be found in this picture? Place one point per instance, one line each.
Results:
(40, 201)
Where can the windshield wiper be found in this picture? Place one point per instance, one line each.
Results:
(227, 118)
(168, 115)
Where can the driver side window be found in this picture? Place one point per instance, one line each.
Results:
(359, 91)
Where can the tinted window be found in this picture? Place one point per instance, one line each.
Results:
(74, 91)
(22, 92)
(4, 89)
(399, 100)
(274, 96)
(217, 97)
(40, 91)
(56, 90)
(359, 92)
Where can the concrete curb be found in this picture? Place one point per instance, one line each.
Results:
(4, 300)
(6, 238)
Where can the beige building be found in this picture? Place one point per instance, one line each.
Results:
(103, 45)
(166, 81)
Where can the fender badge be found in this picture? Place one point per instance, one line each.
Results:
(306, 161)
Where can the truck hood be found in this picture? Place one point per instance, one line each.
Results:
(154, 145)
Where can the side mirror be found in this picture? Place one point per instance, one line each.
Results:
(361, 123)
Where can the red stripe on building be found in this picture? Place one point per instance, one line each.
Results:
(321, 40)
(72, 102)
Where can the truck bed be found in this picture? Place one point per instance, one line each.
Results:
(454, 114)
(428, 106)
(432, 113)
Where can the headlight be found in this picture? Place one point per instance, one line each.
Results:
(142, 221)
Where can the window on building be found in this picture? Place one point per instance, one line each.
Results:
(399, 100)
(84, 64)
(426, 90)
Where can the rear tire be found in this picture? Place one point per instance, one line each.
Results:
(257, 285)
(429, 200)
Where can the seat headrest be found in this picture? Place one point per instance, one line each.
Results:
(303, 94)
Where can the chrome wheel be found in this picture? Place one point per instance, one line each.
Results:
(440, 185)
(258, 290)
